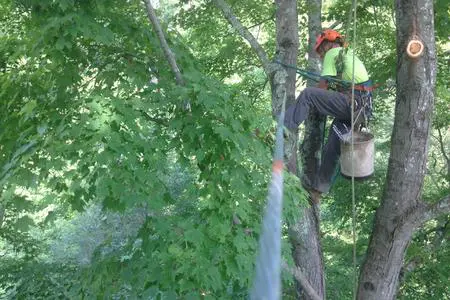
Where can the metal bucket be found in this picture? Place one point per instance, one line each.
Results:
(362, 156)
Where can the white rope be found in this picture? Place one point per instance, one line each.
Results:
(355, 282)
(267, 282)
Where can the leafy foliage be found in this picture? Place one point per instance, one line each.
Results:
(110, 189)
(92, 115)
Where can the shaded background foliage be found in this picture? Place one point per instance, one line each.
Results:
(110, 189)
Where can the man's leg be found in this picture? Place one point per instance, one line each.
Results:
(328, 103)
(330, 158)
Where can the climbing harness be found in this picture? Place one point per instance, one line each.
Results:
(363, 107)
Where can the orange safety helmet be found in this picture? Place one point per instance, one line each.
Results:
(327, 35)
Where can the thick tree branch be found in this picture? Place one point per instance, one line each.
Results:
(167, 52)
(301, 278)
(417, 261)
(275, 72)
(424, 213)
(244, 32)
(409, 267)
(435, 210)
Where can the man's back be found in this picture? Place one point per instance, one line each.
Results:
(329, 66)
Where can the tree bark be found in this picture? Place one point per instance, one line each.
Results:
(315, 124)
(307, 251)
(287, 42)
(394, 226)
(300, 277)
(165, 47)
(287, 52)
(305, 235)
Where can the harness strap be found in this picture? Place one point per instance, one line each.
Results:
(363, 88)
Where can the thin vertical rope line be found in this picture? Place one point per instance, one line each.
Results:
(267, 282)
(352, 162)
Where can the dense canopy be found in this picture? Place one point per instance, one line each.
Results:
(110, 188)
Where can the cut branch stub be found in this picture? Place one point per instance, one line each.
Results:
(414, 48)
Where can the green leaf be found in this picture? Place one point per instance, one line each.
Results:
(28, 108)
(60, 43)
(175, 250)
(24, 223)
(224, 132)
(195, 236)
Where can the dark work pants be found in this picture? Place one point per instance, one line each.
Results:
(328, 103)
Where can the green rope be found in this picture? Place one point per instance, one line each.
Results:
(315, 76)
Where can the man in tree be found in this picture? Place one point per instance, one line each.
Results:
(331, 98)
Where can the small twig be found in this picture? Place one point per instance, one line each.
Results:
(335, 24)
(444, 153)
(425, 212)
(262, 22)
(2, 214)
(260, 91)
(375, 15)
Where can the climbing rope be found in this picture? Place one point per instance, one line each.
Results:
(355, 282)
(316, 77)
(267, 282)
(337, 81)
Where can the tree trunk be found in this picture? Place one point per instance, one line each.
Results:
(286, 52)
(393, 226)
(305, 235)
(315, 124)
(307, 252)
